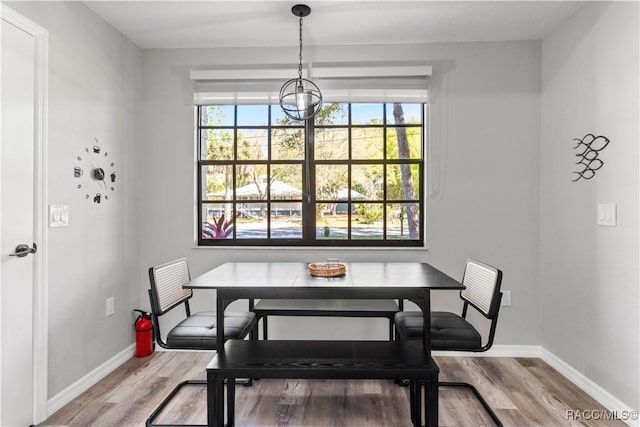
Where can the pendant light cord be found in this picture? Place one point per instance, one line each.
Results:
(300, 57)
(308, 146)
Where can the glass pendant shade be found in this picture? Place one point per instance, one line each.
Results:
(300, 99)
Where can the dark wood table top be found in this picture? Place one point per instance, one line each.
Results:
(291, 275)
(292, 280)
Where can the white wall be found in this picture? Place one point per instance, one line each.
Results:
(588, 273)
(486, 132)
(95, 81)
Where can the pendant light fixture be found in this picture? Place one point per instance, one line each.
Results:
(300, 98)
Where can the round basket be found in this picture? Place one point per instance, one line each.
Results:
(327, 269)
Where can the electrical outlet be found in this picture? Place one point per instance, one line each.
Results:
(506, 299)
(607, 214)
(111, 306)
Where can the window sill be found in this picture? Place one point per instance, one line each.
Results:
(332, 249)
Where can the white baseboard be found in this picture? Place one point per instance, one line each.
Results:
(594, 390)
(605, 398)
(497, 351)
(83, 384)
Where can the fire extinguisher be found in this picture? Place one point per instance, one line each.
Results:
(144, 334)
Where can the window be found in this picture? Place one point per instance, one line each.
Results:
(353, 176)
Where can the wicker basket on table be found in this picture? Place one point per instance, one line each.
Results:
(327, 269)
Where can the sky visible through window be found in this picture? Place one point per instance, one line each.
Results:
(257, 115)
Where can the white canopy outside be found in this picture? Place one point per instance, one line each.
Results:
(254, 191)
(282, 189)
(344, 195)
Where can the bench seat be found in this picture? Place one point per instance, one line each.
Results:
(322, 360)
(383, 308)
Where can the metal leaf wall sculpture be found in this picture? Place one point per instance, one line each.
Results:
(589, 148)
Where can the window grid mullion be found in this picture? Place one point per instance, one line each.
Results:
(308, 199)
(384, 172)
(199, 172)
(268, 184)
(349, 178)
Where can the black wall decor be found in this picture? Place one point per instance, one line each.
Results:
(589, 148)
(95, 161)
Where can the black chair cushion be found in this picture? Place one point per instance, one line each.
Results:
(199, 329)
(448, 330)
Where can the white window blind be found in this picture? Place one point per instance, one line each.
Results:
(338, 83)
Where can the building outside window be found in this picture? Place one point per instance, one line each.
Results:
(352, 176)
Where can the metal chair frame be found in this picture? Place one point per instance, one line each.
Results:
(490, 314)
(156, 312)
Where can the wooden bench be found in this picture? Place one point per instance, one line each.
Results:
(322, 360)
(382, 308)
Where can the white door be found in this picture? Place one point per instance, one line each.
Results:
(17, 225)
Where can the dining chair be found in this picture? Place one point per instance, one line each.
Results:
(452, 331)
(196, 331)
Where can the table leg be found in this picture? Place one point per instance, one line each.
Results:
(231, 401)
(219, 402)
(219, 321)
(415, 402)
(431, 402)
(265, 328)
(211, 400)
(412, 403)
(426, 313)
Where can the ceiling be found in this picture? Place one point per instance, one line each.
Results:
(237, 23)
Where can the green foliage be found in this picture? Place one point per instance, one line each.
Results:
(213, 115)
(369, 213)
(415, 143)
(329, 114)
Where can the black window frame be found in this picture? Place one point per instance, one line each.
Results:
(308, 202)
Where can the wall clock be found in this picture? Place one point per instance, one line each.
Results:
(96, 173)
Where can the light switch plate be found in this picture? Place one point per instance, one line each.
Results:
(58, 215)
(607, 214)
(506, 299)
(110, 306)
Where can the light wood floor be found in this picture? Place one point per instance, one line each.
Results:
(523, 392)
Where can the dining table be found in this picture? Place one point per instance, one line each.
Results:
(412, 281)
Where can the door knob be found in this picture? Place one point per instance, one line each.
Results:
(24, 250)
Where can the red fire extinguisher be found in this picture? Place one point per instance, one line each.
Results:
(144, 334)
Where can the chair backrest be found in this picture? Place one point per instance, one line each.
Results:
(166, 286)
(482, 288)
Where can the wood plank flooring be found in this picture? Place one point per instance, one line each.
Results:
(523, 392)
